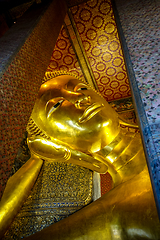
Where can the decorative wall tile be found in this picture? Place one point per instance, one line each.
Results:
(140, 25)
(98, 32)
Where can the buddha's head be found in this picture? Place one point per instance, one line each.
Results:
(74, 113)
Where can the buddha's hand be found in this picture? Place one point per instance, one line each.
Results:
(48, 150)
(55, 151)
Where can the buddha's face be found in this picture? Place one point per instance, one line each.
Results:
(70, 111)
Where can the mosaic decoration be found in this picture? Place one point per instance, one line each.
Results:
(141, 29)
(97, 28)
(145, 54)
(61, 189)
(124, 108)
(124, 104)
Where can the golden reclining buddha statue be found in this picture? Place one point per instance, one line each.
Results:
(72, 123)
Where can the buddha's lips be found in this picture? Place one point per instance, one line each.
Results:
(90, 112)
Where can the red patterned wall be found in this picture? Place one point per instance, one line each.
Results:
(63, 56)
(106, 183)
(97, 28)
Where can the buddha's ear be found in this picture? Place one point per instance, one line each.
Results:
(49, 150)
(55, 151)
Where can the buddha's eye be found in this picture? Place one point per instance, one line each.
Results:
(53, 105)
(58, 104)
(80, 87)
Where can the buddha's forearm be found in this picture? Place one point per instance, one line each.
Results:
(17, 190)
(55, 151)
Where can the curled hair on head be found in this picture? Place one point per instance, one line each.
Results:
(50, 75)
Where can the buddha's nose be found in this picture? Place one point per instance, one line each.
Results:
(82, 102)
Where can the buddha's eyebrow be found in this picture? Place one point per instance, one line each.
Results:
(70, 92)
